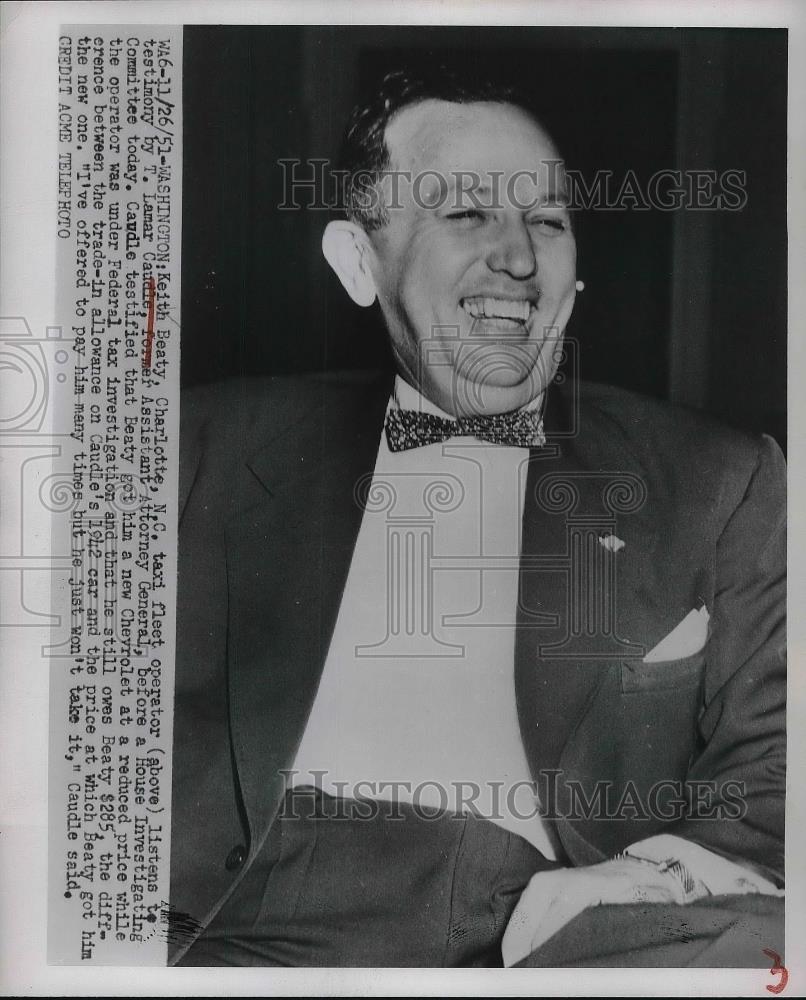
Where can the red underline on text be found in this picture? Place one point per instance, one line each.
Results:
(152, 301)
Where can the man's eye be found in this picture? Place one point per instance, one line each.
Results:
(468, 213)
(551, 226)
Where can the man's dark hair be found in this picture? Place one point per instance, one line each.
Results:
(365, 156)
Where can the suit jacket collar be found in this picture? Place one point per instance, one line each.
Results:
(287, 562)
(567, 642)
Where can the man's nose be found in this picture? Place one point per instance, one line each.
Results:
(513, 250)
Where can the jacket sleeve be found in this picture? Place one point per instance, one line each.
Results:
(742, 738)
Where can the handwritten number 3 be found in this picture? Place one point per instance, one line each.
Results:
(777, 969)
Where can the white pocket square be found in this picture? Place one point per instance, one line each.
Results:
(685, 639)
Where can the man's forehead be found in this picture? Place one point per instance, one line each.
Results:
(477, 136)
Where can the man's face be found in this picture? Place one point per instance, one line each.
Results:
(475, 291)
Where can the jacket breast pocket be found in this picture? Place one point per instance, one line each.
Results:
(664, 675)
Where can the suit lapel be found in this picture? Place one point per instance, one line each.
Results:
(563, 649)
(287, 562)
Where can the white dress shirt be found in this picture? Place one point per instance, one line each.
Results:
(418, 684)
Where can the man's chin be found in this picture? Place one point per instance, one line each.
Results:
(494, 395)
(500, 378)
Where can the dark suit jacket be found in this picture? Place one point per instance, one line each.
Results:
(268, 523)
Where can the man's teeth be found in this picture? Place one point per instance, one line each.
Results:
(489, 308)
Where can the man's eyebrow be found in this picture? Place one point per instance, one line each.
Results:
(467, 184)
(470, 185)
(553, 201)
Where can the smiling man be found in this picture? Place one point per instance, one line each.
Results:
(478, 245)
(465, 654)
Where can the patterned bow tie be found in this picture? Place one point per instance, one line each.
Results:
(410, 429)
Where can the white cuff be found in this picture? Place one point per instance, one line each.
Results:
(717, 874)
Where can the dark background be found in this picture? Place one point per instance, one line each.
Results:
(686, 305)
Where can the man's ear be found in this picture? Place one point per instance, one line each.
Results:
(347, 250)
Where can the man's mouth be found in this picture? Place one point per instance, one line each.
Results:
(504, 314)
